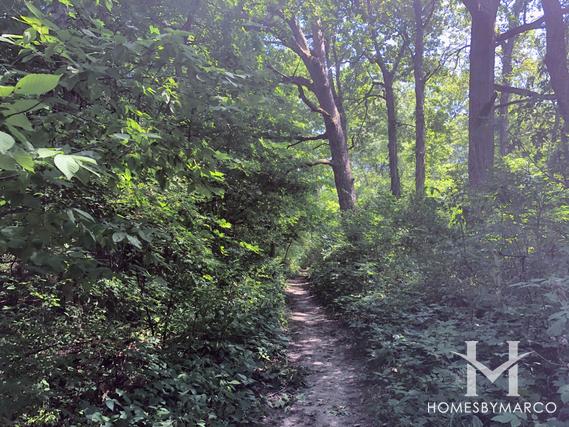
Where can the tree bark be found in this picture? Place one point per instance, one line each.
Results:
(419, 75)
(391, 106)
(481, 90)
(316, 63)
(390, 103)
(504, 121)
(317, 67)
(337, 89)
(388, 73)
(556, 56)
(507, 50)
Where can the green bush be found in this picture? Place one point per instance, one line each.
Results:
(143, 224)
(422, 277)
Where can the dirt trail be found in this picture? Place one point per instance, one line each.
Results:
(333, 394)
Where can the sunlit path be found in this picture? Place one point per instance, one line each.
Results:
(333, 394)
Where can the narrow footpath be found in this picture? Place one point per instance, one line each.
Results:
(333, 394)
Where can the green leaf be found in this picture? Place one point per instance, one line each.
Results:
(6, 90)
(23, 106)
(503, 418)
(37, 84)
(476, 422)
(83, 159)
(121, 136)
(507, 417)
(253, 248)
(119, 236)
(145, 235)
(19, 136)
(67, 164)
(557, 327)
(21, 121)
(35, 11)
(29, 35)
(7, 163)
(84, 214)
(223, 223)
(71, 216)
(6, 142)
(25, 160)
(134, 241)
(48, 152)
(110, 404)
(70, 164)
(564, 393)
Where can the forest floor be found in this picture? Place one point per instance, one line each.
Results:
(334, 392)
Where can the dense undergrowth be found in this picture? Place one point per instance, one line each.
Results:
(419, 278)
(163, 162)
(143, 223)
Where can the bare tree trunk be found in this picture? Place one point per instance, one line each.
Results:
(388, 71)
(556, 55)
(419, 74)
(481, 89)
(504, 120)
(317, 66)
(340, 162)
(507, 51)
(316, 61)
(390, 103)
(337, 90)
(391, 106)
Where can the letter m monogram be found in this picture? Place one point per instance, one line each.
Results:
(474, 365)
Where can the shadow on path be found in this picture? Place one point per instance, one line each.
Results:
(333, 394)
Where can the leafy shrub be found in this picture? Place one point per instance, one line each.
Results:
(142, 226)
(422, 277)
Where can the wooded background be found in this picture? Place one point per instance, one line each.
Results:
(164, 164)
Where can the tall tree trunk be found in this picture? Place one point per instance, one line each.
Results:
(388, 71)
(317, 66)
(504, 121)
(481, 90)
(390, 103)
(507, 51)
(556, 56)
(315, 60)
(337, 89)
(341, 163)
(419, 74)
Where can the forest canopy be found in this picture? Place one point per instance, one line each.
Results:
(165, 165)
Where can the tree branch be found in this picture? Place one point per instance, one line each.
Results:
(514, 102)
(300, 44)
(318, 42)
(400, 54)
(301, 139)
(326, 162)
(297, 138)
(429, 16)
(27, 110)
(309, 103)
(442, 61)
(469, 5)
(297, 80)
(522, 91)
(533, 25)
